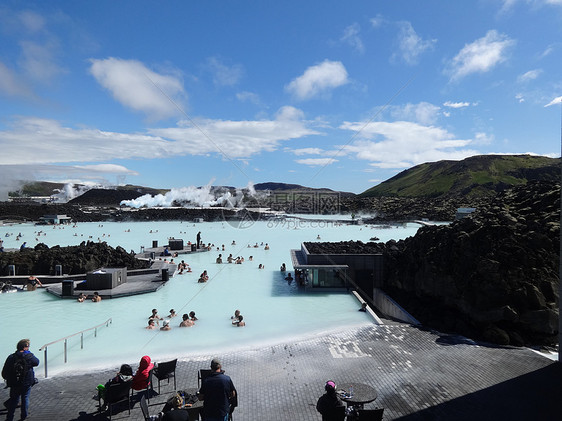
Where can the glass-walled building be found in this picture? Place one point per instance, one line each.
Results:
(336, 271)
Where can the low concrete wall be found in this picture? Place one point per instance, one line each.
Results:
(376, 318)
(391, 308)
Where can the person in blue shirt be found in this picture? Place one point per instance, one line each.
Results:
(217, 393)
(20, 385)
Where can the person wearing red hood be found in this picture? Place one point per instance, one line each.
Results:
(141, 376)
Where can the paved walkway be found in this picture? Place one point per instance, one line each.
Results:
(420, 375)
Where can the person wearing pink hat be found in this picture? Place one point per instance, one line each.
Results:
(329, 402)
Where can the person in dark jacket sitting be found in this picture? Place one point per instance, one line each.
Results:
(19, 383)
(328, 402)
(125, 374)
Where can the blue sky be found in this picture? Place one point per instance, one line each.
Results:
(331, 94)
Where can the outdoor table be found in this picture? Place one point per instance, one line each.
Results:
(362, 394)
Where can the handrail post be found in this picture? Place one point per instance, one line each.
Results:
(45, 362)
(95, 329)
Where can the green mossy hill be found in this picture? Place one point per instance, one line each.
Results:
(477, 176)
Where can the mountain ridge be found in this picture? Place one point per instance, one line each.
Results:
(479, 175)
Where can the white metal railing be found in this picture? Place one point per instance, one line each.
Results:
(65, 339)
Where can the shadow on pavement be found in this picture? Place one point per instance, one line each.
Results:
(533, 396)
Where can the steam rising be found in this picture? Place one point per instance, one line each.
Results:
(70, 191)
(205, 196)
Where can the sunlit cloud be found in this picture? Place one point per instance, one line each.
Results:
(555, 101)
(480, 56)
(316, 162)
(318, 80)
(403, 144)
(307, 151)
(528, 76)
(33, 140)
(482, 138)
(137, 87)
(106, 169)
(423, 112)
(410, 45)
(236, 139)
(451, 104)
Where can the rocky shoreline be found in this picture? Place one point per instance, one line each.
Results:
(83, 258)
(492, 276)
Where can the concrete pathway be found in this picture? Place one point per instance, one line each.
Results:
(419, 375)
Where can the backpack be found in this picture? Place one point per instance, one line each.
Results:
(20, 370)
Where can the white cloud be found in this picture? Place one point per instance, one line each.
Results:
(289, 113)
(451, 104)
(548, 50)
(351, 37)
(530, 75)
(481, 138)
(107, 168)
(507, 5)
(520, 98)
(423, 113)
(480, 56)
(316, 162)
(11, 84)
(410, 45)
(307, 151)
(555, 101)
(318, 80)
(236, 139)
(404, 144)
(35, 140)
(248, 97)
(224, 75)
(377, 21)
(135, 86)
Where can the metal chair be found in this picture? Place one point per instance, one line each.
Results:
(202, 375)
(115, 393)
(371, 414)
(164, 371)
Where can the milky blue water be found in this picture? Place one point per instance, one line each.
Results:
(275, 311)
